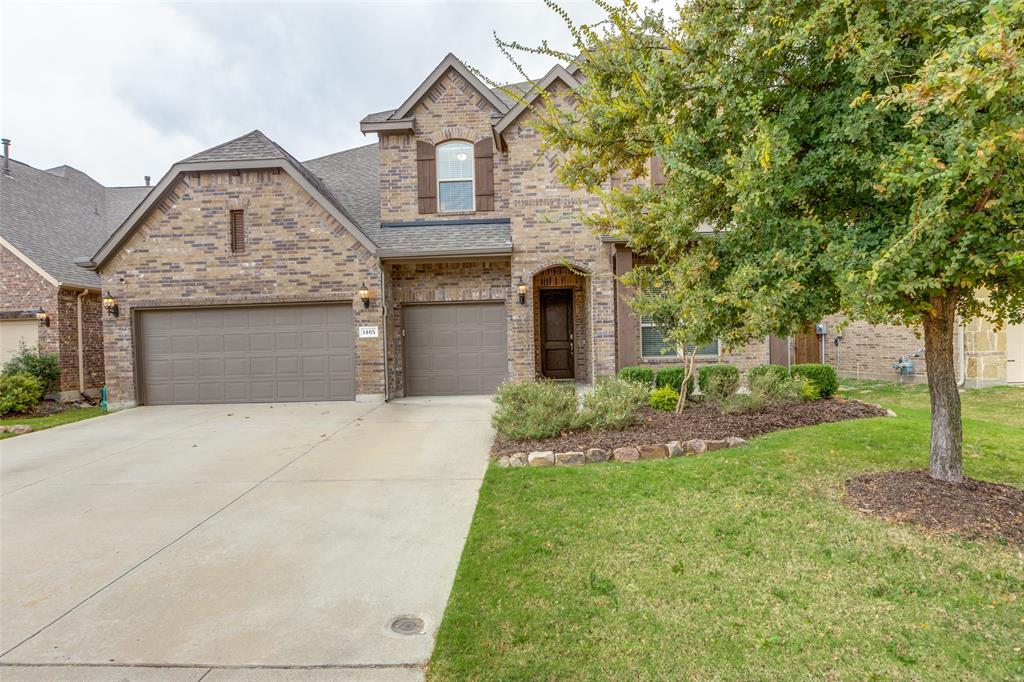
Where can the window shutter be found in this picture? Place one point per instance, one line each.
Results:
(657, 171)
(237, 231)
(483, 170)
(426, 177)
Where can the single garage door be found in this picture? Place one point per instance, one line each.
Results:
(14, 333)
(454, 348)
(247, 355)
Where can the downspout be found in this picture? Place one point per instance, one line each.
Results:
(81, 350)
(962, 347)
(384, 333)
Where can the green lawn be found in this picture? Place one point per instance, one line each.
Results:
(40, 423)
(741, 564)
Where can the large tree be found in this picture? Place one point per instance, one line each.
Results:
(855, 156)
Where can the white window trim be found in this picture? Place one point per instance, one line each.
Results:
(471, 178)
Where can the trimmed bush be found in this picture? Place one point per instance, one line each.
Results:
(638, 375)
(612, 404)
(45, 367)
(534, 409)
(673, 378)
(19, 392)
(718, 382)
(824, 376)
(665, 398)
(755, 373)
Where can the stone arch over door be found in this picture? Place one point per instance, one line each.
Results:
(547, 283)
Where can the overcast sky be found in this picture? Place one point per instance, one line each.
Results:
(123, 90)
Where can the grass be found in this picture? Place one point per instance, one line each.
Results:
(741, 564)
(39, 423)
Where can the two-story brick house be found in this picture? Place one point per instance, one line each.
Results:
(441, 259)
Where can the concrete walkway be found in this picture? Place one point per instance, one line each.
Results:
(239, 542)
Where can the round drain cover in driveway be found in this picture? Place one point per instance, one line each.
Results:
(407, 625)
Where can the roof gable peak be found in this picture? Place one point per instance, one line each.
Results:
(454, 63)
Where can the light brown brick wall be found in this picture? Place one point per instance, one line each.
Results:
(295, 252)
(868, 351)
(22, 289)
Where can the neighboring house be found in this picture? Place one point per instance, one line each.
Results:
(48, 219)
(442, 259)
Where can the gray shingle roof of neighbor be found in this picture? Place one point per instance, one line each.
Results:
(58, 215)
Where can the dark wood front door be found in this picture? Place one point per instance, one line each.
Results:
(556, 334)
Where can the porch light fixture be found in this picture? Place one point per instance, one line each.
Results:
(43, 317)
(110, 304)
(521, 289)
(364, 296)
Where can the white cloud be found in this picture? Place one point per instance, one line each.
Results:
(124, 90)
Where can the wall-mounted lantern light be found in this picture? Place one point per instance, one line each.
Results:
(110, 304)
(521, 290)
(43, 317)
(364, 296)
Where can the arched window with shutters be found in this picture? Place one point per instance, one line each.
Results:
(455, 180)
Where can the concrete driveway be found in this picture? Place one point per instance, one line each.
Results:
(236, 542)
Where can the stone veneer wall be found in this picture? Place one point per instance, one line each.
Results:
(295, 252)
(985, 354)
(435, 282)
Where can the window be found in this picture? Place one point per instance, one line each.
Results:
(652, 345)
(455, 177)
(237, 231)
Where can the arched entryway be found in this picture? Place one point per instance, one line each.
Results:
(561, 323)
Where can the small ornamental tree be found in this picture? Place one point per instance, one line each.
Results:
(820, 156)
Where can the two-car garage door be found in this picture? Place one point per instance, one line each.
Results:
(240, 355)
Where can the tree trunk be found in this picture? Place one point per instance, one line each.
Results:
(946, 460)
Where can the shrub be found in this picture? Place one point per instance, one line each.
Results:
(741, 403)
(612, 404)
(804, 388)
(19, 392)
(718, 382)
(673, 378)
(665, 398)
(534, 409)
(775, 387)
(638, 375)
(45, 367)
(755, 373)
(822, 375)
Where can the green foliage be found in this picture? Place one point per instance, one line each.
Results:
(718, 382)
(19, 392)
(773, 388)
(755, 373)
(665, 398)
(637, 374)
(612, 404)
(673, 378)
(533, 409)
(741, 403)
(45, 367)
(805, 388)
(824, 376)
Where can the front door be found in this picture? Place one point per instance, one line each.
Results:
(556, 334)
(808, 348)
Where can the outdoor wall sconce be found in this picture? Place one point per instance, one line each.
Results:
(364, 296)
(110, 304)
(521, 289)
(43, 317)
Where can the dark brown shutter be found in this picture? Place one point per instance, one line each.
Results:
(237, 231)
(483, 170)
(657, 171)
(426, 177)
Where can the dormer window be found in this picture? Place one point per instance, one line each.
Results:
(455, 191)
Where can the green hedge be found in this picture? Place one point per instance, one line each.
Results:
(718, 382)
(19, 392)
(534, 409)
(673, 378)
(823, 376)
(638, 374)
(777, 372)
(665, 399)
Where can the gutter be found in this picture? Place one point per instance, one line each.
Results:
(384, 334)
(962, 347)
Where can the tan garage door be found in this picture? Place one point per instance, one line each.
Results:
(1015, 353)
(454, 348)
(247, 355)
(13, 333)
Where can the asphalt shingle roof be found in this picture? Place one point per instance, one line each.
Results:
(59, 215)
(446, 237)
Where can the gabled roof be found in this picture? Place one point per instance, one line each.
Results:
(252, 150)
(557, 73)
(50, 218)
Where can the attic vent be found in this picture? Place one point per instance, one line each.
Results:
(237, 231)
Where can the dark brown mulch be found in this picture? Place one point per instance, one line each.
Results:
(698, 421)
(972, 509)
(45, 408)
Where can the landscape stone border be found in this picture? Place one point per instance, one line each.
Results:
(16, 429)
(689, 448)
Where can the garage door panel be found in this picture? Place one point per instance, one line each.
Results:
(260, 354)
(454, 349)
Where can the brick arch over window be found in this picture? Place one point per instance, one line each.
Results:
(564, 263)
(453, 134)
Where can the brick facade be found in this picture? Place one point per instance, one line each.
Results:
(180, 255)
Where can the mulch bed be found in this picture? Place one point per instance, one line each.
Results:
(972, 509)
(46, 408)
(698, 421)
